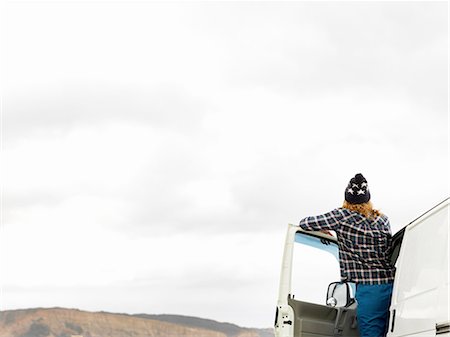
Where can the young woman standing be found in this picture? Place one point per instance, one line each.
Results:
(364, 239)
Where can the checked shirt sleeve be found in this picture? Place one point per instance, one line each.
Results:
(328, 221)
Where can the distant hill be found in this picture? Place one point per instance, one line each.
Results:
(230, 330)
(60, 322)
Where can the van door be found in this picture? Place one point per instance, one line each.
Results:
(314, 320)
(309, 266)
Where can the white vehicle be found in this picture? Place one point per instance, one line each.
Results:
(420, 298)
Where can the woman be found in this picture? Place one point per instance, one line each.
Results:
(364, 238)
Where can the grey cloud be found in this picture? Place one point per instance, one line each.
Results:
(58, 108)
(388, 47)
(395, 48)
(264, 199)
(18, 200)
(278, 189)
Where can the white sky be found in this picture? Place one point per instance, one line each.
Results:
(153, 152)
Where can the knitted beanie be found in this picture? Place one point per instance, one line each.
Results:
(357, 191)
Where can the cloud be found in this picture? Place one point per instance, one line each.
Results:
(366, 46)
(58, 109)
(183, 274)
(237, 172)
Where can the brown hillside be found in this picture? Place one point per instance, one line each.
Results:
(68, 323)
(59, 322)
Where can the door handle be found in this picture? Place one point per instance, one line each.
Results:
(442, 328)
(393, 320)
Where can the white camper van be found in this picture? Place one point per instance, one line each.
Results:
(420, 299)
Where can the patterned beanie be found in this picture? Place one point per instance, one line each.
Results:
(357, 191)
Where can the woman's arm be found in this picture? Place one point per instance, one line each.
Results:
(327, 221)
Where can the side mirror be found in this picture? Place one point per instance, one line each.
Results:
(339, 294)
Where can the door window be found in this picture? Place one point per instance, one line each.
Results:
(315, 265)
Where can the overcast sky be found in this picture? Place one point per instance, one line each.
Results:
(154, 153)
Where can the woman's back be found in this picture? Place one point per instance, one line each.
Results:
(364, 247)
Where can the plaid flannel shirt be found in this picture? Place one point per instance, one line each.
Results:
(364, 244)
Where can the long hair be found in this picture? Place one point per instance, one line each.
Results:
(365, 209)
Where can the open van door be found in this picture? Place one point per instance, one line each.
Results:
(336, 314)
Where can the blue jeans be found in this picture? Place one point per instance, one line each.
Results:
(373, 309)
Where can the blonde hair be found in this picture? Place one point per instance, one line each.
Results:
(365, 209)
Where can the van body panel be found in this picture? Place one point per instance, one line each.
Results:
(420, 295)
